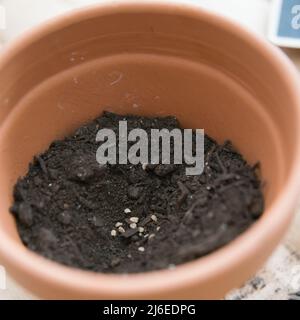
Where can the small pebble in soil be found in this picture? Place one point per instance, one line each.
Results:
(134, 192)
(65, 217)
(132, 218)
(24, 212)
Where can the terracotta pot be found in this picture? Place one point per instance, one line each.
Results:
(150, 59)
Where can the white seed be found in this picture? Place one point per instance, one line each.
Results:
(141, 249)
(154, 218)
(121, 229)
(146, 235)
(158, 228)
(118, 224)
(141, 229)
(134, 219)
(133, 225)
(113, 233)
(127, 210)
(152, 235)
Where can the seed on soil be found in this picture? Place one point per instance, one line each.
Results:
(121, 230)
(118, 224)
(152, 235)
(134, 219)
(154, 217)
(133, 225)
(113, 233)
(158, 228)
(127, 210)
(141, 249)
(141, 229)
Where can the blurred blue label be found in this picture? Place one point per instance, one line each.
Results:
(289, 20)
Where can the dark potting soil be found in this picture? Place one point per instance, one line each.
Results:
(132, 218)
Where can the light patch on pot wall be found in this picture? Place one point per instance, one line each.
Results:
(2, 17)
(25, 14)
(2, 278)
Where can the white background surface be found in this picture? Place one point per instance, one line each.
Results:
(281, 275)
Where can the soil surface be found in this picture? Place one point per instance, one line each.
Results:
(132, 218)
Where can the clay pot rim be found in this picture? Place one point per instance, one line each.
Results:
(208, 267)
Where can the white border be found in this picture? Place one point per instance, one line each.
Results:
(273, 28)
(2, 278)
